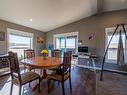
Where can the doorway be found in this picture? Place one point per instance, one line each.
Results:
(66, 42)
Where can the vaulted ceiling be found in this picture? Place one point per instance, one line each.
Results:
(46, 15)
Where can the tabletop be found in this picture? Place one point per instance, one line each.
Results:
(40, 62)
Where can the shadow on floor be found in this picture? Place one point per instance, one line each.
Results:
(83, 83)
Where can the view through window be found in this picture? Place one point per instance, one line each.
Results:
(19, 41)
(66, 42)
(113, 47)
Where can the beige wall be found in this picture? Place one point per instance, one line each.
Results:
(94, 25)
(3, 44)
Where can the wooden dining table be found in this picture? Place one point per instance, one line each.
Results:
(42, 63)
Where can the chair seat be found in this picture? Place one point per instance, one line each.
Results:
(55, 76)
(29, 76)
(29, 67)
(54, 68)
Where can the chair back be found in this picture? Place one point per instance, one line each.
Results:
(67, 61)
(14, 65)
(4, 61)
(56, 53)
(29, 53)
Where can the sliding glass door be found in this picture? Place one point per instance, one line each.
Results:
(71, 42)
(60, 43)
(66, 42)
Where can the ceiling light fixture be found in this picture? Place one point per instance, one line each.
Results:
(31, 20)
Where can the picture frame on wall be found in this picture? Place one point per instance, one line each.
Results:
(40, 40)
(2, 36)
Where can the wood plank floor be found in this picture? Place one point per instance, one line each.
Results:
(83, 83)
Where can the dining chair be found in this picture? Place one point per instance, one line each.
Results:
(29, 53)
(4, 65)
(23, 78)
(63, 73)
(55, 53)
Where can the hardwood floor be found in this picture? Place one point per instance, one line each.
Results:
(107, 66)
(112, 84)
(83, 83)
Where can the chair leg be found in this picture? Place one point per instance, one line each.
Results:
(40, 71)
(58, 82)
(24, 68)
(49, 86)
(20, 89)
(70, 84)
(63, 88)
(29, 84)
(39, 84)
(11, 87)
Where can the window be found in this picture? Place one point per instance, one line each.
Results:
(18, 41)
(71, 42)
(66, 41)
(111, 56)
(112, 51)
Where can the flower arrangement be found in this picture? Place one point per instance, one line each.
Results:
(44, 53)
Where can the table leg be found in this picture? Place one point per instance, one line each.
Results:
(35, 87)
(44, 74)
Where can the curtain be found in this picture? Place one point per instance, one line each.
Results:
(120, 51)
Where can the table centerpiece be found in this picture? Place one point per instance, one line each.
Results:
(44, 53)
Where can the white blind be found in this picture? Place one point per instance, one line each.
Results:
(19, 33)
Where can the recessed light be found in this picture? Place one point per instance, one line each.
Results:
(31, 20)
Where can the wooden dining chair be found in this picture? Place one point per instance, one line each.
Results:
(55, 53)
(23, 78)
(4, 65)
(63, 73)
(29, 53)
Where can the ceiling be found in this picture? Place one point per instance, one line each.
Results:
(46, 15)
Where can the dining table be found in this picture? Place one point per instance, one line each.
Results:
(40, 62)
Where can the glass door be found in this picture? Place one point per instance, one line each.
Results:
(71, 42)
(60, 44)
(66, 42)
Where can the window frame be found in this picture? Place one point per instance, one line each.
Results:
(109, 31)
(65, 35)
(19, 33)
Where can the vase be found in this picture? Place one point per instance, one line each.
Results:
(44, 57)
